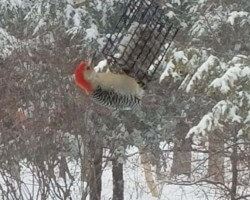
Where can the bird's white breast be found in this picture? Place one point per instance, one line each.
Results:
(119, 83)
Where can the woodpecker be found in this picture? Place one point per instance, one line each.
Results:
(118, 91)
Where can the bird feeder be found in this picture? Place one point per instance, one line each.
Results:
(140, 39)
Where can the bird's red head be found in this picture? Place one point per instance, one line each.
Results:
(79, 76)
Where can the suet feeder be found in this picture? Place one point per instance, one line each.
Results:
(140, 39)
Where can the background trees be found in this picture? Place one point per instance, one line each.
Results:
(192, 132)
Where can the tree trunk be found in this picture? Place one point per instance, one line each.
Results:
(95, 178)
(92, 169)
(234, 161)
(148, 174)
(85, 169)
(182, 151)
(118, 182)
(216, 159)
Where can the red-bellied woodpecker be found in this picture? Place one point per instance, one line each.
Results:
(109, 89)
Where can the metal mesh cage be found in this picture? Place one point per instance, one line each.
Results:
(140, 40)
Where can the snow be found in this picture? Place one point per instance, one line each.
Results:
(12, 4)
(236, 14)
(170, 14)
(17, 2)
(247, 119)
(69, 9)
(8, 42)
(224, 110)
(233, 115)
(202, 128)
(226, 77)
(75, 2)
(40, 24)
(244, 97)
(202, 1)
(202, 71)
(178, 2)
(180, 56)
(77, 19)
(230, 77)
(168, 70)
(135, 186)
(92, 33)
(72, 31)
(100, 66)
(198, 29)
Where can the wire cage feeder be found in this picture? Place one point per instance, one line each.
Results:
(140, 39)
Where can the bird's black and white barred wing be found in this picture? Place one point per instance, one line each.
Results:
(109, 98)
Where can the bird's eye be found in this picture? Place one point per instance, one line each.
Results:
(88, 68)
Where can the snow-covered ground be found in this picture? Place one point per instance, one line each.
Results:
(135, 187)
